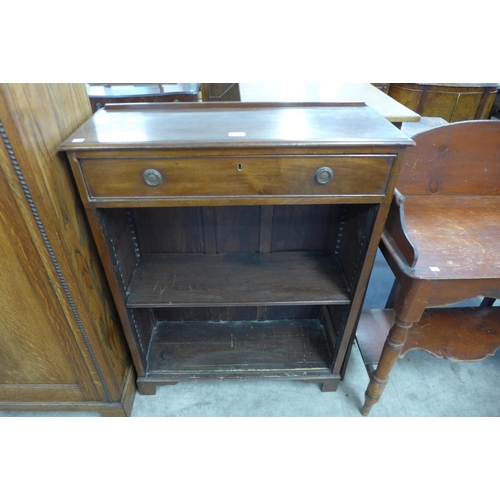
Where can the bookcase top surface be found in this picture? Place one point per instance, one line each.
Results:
(234, 125)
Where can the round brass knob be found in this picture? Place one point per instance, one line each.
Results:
(323, 175)
(152, 177)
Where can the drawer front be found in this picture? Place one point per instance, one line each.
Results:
(249, 176)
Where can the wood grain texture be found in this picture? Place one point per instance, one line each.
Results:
(452, 102)
(208, 125)
(113, 267)
(442, 165)
(244, 313)
(305, 227)
(450, 183)
(444, 160)
(163, 280)
(389, 108)
(173, 230)
(395, 234)
(121, 408)
(236, 347)
(425, 123)
(464, 334)
(463, 240)
(237, 176)
(25, 358)
(239, 231)
(70, 303)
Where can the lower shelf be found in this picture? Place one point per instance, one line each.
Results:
(296, 348)
(455, 333)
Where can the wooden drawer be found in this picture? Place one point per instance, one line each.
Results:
(251, 176)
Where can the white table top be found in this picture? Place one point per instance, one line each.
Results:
(328, 92)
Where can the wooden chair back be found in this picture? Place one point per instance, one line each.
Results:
(457, 159)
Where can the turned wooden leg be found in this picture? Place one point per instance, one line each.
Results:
(409, 306)
(392, 348)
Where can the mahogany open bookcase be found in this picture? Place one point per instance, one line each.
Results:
(238, 238)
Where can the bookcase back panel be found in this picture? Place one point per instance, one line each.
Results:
(231, 229)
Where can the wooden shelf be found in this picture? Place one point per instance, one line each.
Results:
(455, 333)
(240, 349)
(235, 279)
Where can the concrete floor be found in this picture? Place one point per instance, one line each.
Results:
(420, 386)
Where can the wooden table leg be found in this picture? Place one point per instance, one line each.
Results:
(409, 307)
